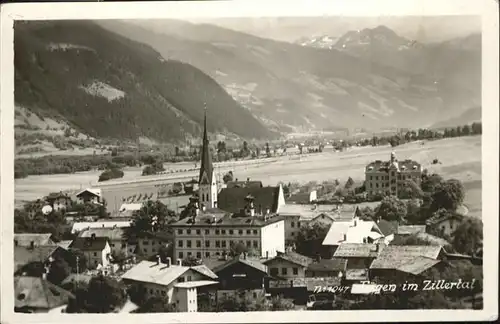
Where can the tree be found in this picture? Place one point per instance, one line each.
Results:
(476, 128)
(58, 271)
(466, 130)
(111, 174)
(237, 248)
(268, 150)
(430, 182)
(366, 213)
(411, 190)
(448, 195)
(228, 177)
(278, 303)
(177, 188)
(468, 237)
(391, 209)
(153, 217)
(103, 295)
(190, 261)
(156, 305)
(413, 213)
(309, 240)
(349, 183)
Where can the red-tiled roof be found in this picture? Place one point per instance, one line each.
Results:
(233, 199)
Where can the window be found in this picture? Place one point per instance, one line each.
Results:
(198, 243)
(163, 293)
(181, 255)
(224, 244)
(254, 232)
(198, 255)
(298, 224)
(179, 231)
(376, 178)
(249, 232)
(153, 250)
(284, 271)
(293, 224)
(124, 245)
(293, 233)
(274, 271)
(188, 231)
(145, 250)
(95, 254)
(207, 232)
(231, 232)
(181, 279)
(255, 244)
(188, 243)
(249, 243)
(145, 242)
(154, 242)
(376, 185)
(189, 254)
(198, 232)
(207, 244)
(151, 291)
(217, 244)
(295, 271)
(207, 254)
(223, 232)
(217, 232)
(181, 243)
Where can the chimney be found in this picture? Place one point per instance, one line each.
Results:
(345, 237)
(267, 254)
(236, 180)
(158, 260)
(248, 179)
(179, 262)
(355, 223)
(268, 211)
(169, 262)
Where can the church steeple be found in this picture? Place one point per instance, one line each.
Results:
(207, 185)
(206, 169)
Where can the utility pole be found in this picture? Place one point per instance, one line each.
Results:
(77, 269)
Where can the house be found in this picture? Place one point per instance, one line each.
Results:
(354, 231)
(324, 268)
(64, 244)
(33, 239)
(242, 276)
(266, 199)
(128, 210)
(34, 261)
(303, 197)
(288, 265)
(37, 295)
(390, 177)
(150, 244)
(398, 262)
(212, 232)
(59, 201)
(176, 283)
(96, 249)
(244, 184)
(388, 229)
(116, 238)
(90, 195)
(80, 226)
(292, 228)
(445, 223)
(322, 219)
(358, 257)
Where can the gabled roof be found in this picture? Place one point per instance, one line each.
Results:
(64, 244)
(292, 257)
(324, 215)
(396, 256)
(35, 292)
(247, 261)
(25, 239)
(418, 265)
(79, 226)
(111, 233)
(161, 274)
(89, 243)
(355, 231)
(387, 228)
(24, 255)
(335, 264)
(356, 250)
(233, 199)
(356, 274)
(94, 191)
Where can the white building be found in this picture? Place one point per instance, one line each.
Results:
(96, 250)
(353, 231)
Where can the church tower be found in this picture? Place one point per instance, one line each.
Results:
(207, 184)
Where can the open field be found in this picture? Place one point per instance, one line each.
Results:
(460, 158)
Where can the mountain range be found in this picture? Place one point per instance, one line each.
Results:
(129, 79)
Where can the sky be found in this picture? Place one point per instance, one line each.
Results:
(421, 28)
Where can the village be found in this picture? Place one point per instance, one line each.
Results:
(243, 246)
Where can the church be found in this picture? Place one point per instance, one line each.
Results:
(216, 220)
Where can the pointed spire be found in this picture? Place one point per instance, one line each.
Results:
(206, 169)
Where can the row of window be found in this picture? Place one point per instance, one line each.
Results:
(293, 224)
(219, 232)
(218, 243)
(198, 254)
(400, 177)
(284, 271)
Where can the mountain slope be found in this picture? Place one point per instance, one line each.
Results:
(106, 85)
(289, 86)
(466, 118)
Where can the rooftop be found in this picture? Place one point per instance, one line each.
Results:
(195, 284)
(89, 243)
(383, 166)
(233, 199)
(218, 218)
(162, 274)
(35, 292)
(335, 264)
(94, 191)
(354, 231)
(410, 229)
(256, 264)
(292, 257)
(244, 184)
(387, 228)
(113, 234)
(79, 226)
(438, 218)
(24, 255)
(26, 239)
(356, 250)
(356, 274)
(396, 256)
(308, 212)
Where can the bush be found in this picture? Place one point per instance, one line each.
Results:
(111, 174)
